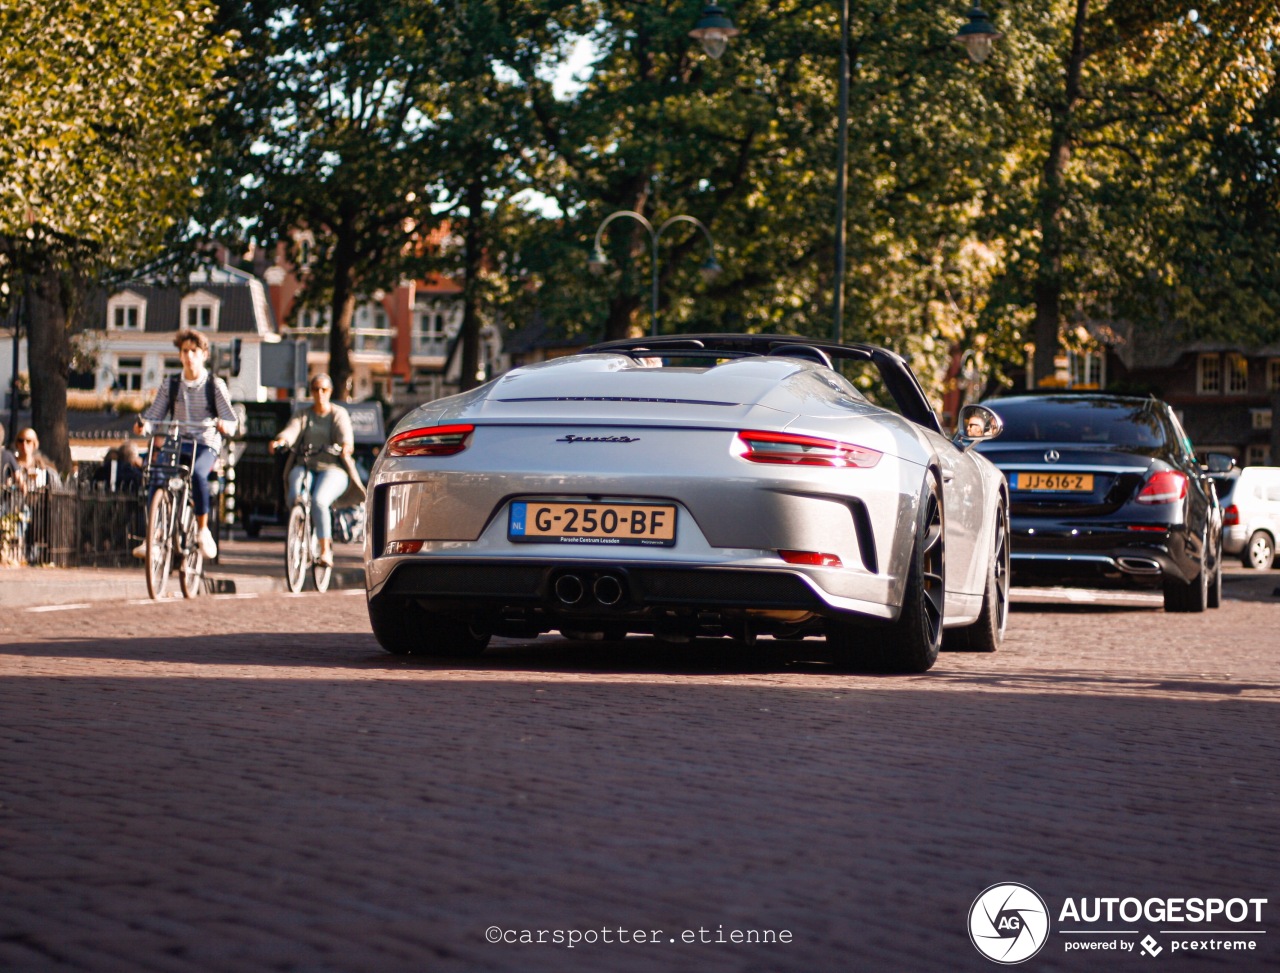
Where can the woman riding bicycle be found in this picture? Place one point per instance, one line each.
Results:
(323, 440)
(201, 406)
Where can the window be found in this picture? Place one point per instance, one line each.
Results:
(1261, 418)
(128, 374)
(1258, 454)
(1209, 375)
(127, 312)
(428, 332)
(1087, 369)
(200, 311)
(1273, 374)
(1237, 373)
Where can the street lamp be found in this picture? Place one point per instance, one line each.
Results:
(978, 35)
(709, 270)
(713, 31)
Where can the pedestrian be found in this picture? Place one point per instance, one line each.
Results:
(323, 443)
(121, 469)
(34, 470)
(201, 405)
(8, 462)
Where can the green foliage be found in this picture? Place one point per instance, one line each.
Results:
(100, 100)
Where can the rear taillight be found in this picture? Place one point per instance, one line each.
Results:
(430, 441)
(1167, 486)
(782, 448)
(1231, 516)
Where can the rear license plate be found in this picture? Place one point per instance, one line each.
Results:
(647, 524)
(1057, 482)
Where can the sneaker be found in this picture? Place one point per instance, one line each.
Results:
(140, 552)
(325, 560)
(208, 547)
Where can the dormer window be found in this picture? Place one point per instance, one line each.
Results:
(200, 311)
(127, 312)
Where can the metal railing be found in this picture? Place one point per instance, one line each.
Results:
(78, 525)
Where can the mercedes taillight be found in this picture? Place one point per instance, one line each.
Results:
(1166, 486)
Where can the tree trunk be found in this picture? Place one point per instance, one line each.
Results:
(1048, 284)
(473, 255)
(49, 360)
(343, 310)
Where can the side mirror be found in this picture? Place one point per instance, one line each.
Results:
(977, 424)
(1219, 462)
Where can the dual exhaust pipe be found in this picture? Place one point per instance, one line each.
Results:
(573, 590)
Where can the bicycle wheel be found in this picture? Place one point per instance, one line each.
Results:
(159, 542)
(191, 558)
(296, 553)
(320, 573)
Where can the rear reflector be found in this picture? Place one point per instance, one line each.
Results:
(1152, 528)
(1167, 486)
(785, 449)
(430, 441)
(402, 547)
(815, 558)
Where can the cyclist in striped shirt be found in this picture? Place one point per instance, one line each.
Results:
(191, 400)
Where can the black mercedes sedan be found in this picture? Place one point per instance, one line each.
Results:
(1106, 492)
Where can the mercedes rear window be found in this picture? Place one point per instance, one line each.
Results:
(1083, 421)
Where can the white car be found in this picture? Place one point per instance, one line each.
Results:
(705, 485)
(1250, 504)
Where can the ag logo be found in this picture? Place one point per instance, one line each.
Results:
(1008, 923)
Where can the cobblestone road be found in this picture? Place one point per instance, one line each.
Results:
(202, 787)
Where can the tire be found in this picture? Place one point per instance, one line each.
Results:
(986, 634)
(1260, 553)
(1215, 584)
(320, 573)
(191, 567)
(911, 643)
(403, 629)
(295, 549)
(159, 543)
(1190, 596)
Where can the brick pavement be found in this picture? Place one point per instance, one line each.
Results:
(252, 784)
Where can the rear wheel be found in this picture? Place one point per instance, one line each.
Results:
(295, 549)
(911, 643)
(1260, 552)
(986, 634)
(1189, 596)
(404, 629)
(159, 542)
(1215, 585)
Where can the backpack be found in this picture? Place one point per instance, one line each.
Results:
(208, 394)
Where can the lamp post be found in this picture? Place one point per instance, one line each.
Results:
(714, 30)
(977, 35)
(710, 268)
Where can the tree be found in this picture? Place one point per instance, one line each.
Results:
(331, 129)
(1111, 94)
(96, 165)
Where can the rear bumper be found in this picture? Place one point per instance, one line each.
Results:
(1100, 556)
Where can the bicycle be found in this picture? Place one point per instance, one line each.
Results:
(301, 545)
(172, 529)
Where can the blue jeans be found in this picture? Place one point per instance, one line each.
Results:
(326, 486)
(206, 456)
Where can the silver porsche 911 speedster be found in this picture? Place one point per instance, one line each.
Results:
(701, 485)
